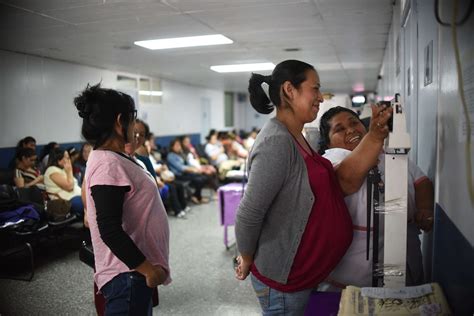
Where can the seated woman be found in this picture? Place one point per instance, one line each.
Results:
(26, 174)
(79, 166)
(219, 158)
(27, 142)
(340, 132)
(171, 189)
(192, 158)
(60, 182)
(185, 172)
(44, 157)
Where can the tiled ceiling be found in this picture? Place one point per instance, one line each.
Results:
(344, 39)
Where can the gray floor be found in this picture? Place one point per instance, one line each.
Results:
(203, 279)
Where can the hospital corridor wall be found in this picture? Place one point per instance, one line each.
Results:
(420, 64)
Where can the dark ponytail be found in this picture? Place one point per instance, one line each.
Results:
(99, 109)
(293, 71)
(258, 98)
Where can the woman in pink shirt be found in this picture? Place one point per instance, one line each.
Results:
(127, 219)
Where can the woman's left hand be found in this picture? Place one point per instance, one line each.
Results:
(424, 219)
(243, 268)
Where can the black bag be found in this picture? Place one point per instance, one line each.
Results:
(86, 254)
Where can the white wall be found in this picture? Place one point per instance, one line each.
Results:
(437, 125)
(452, 190)
(337, 100)
(36, 98)
(180, 111)
(246, 118)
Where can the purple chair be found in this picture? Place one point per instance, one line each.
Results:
(229, 199)
(323, 304)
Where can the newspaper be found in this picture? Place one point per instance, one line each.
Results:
(427, 303)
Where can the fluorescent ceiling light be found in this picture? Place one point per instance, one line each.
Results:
(152, 93)
(190, 41)
(358, 99)
(243, 67)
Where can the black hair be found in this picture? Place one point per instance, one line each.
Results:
(293, 71)
(223, 135)
(24, 152)
(72, 151)
(174, 141)
(99, 109)
(47, 148)
(181, 140)
(211, 132)
(24, 141)
(55, 155)
(145, 125)
(80, 159)
(325, 127)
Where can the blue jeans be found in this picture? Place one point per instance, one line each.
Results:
(77, 207)
(274, 302)
(127, 294)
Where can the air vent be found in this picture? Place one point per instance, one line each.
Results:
(294, 49)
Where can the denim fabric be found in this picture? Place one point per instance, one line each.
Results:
(127, 294)
(274, 302)
(77, 207)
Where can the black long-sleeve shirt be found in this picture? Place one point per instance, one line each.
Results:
(108, 201)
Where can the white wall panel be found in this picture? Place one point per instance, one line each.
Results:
(180, 111)
(452, 190)
(37, 99)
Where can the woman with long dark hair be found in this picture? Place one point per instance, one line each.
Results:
(60, 182)
(292, 224)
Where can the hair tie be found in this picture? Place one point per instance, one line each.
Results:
(268, 79)
(84, 114)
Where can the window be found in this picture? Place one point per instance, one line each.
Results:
(229, 109)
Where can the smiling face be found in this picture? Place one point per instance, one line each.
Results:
(307, 98)
(346, 131)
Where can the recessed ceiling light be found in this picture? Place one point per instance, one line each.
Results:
(190, 41)
(243, 67)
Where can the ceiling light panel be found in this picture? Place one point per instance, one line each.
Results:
(243, 67)
(180, 42)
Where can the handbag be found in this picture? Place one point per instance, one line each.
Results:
(86, 254)
(58, 210)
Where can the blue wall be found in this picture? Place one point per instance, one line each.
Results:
(7, 154)
(453, 264)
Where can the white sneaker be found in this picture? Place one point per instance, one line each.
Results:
(187, 209)
(182, 215)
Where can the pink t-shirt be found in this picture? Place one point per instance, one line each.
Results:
(144, 217)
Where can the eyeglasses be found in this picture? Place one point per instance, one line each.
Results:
(134, 112)
(138, 134)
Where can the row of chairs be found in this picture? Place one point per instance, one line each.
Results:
(24, 237)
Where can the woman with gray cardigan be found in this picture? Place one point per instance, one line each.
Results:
(292, 225)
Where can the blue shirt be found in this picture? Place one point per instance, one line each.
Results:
(176, 163)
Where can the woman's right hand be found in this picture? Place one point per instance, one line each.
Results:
(379, 122)
(154, 275)
(243, 267)
(68, 166)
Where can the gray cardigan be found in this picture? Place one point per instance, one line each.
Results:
(273, 213)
